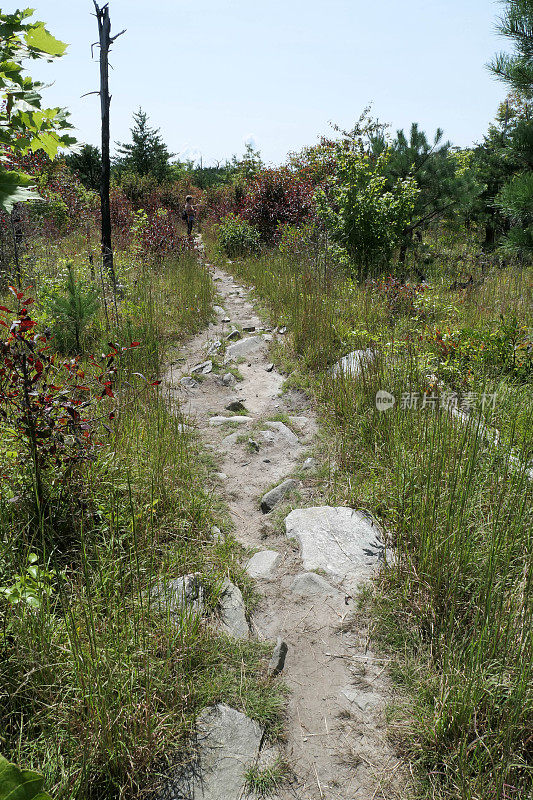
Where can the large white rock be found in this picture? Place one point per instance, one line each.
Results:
(339, 540)
(353, 363)
(261, 564)
(244, 347)
(228, 745)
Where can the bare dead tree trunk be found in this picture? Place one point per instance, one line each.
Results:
(105, 40)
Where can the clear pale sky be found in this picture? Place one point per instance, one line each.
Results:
(213, 74)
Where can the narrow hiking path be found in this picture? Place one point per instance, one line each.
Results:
(336, 743)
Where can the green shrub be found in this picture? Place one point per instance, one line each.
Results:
(72, 308)
(237, 238)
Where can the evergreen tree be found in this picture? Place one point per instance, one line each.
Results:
(516, 70)
(87, 164)
(445, 182)
(146, 154)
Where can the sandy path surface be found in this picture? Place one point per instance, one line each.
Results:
(336, 741)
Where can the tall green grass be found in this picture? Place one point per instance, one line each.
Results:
(99, 685)
(455, 608)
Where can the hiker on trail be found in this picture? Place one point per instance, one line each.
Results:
(189, 214)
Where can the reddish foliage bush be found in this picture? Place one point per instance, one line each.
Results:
(399, 297)
(47, 402)
(274, 197)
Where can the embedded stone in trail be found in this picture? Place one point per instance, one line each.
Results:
(353, 363)
(339, 540)
(261, 564)
(216, 421)
(205, 367)
(248, 328)
(233, 335)
(228, 745)
(219, 310)
(188, 382)
(236, 405)
(283, 430)
(277, 662)
(228, 379)
(277, 494)
(309, 583)
(233, 618)
(245, 347)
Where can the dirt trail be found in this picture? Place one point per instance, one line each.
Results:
(336, 735)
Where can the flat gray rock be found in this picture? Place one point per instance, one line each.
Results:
(277, 494)
(231, 439)
(204, 368)
(309, 463)
(353, 363)
(244, 347)
(228, 379)
(228, 745)
(309, 583)
(364, 699)
(188, 382)
(283, 431)
(219, 420)
(232, 616)
(219, 310)
(339, 540)
(262, 564)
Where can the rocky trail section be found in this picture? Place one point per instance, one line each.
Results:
(307, 575)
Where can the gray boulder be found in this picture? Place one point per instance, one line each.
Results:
(176, 594)
(228, 744)
(353, 363)
(277, 494)
(282, 431)
(232, 616)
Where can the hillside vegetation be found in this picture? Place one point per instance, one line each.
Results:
(396, 244)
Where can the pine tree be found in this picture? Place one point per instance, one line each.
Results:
(446, 184)
(146, 154)
(72, 309)
(516, 70)
(87, 164)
